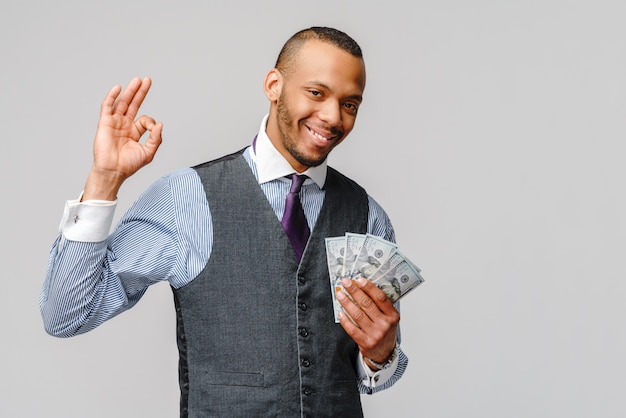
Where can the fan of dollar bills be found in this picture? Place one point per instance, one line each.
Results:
(371, 257)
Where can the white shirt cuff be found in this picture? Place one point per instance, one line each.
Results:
(370, 378)
(88, 221)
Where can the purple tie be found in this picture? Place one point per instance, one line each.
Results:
(294, 221)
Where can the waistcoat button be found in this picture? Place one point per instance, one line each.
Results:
(304, 332)
(303, 306)
(306, 362)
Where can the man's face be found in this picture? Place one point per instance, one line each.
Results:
(314, 105)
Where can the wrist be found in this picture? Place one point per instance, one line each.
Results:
(102, 185)
(374, 365)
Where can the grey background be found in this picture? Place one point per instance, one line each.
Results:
(492, 132)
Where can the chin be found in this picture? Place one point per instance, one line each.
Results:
(308, 159)
(315, 160)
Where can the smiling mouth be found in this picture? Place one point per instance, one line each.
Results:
(320, 136)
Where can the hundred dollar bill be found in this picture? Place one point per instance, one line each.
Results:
(354, 242)
(396, 258)
(371, 257)
(375, 251)
(399, 280)
(335, 257)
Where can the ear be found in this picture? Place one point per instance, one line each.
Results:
(273, 84)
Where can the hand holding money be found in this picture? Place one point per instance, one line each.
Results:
(356, 256)
(369, 318)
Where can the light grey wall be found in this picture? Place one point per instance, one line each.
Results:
(492, 132)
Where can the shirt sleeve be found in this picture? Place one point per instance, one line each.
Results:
(88, 221)
(371, 382)
(378, 222)
(164, 236)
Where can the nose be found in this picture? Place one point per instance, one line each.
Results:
(330, 113)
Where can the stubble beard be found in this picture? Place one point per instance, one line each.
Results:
(285, 120)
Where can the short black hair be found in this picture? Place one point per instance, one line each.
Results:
(322, 33)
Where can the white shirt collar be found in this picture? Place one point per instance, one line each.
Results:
(271, 165)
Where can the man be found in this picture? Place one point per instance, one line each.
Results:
(255, 326)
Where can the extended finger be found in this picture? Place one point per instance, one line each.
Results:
(138, 97)
(124, 100)
(107, 104)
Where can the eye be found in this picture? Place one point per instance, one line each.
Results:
(351, 107)
(315, 93)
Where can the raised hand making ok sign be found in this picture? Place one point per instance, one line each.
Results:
(118, 152)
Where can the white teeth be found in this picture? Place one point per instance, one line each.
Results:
(319, 136)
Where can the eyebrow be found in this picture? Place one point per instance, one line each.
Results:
(358, 97)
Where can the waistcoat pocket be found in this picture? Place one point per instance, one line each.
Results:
(234, 379)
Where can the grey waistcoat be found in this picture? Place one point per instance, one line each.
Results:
(256, 333)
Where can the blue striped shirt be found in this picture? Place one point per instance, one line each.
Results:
(166, 235)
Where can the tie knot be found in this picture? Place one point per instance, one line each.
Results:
(296, 182)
